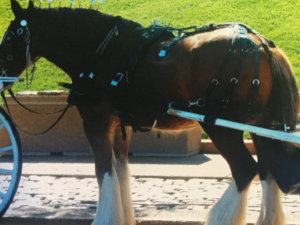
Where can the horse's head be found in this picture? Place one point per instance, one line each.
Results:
(14, 49)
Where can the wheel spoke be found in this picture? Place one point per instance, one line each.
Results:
(8, 148)
(2, 195)
(6, 171)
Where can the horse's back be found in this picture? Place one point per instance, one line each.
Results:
(196, 60)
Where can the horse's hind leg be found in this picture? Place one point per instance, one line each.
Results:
(121, 149)
(231, 208)
(99, 128)
(271, 212)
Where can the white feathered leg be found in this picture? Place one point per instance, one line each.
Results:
(271, 212)
(109, 209)
(231, 208)
(124, 180)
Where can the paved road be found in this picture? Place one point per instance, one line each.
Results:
(160, 199)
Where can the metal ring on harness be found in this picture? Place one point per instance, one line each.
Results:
(9, 57)
(234, 80)
(201, 102)
(20, 31)
(215, 81)
(256, 80)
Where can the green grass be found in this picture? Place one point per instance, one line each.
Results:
(276, 19)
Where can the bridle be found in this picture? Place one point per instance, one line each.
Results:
(24, 32)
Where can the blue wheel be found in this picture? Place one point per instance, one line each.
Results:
(10, 170)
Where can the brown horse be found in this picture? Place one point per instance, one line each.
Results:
(111, 95)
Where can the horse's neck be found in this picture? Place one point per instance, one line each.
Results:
(69, 41)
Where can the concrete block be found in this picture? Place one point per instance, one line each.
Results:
(171, 143)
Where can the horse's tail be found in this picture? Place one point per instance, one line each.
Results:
(282, 159)
(284, 99)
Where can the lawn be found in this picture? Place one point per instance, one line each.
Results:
(276, 19)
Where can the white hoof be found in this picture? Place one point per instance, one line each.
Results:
(109, 210)
(230, 209)
(271, 212)
(124, 180)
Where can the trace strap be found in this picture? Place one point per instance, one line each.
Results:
(59, 118)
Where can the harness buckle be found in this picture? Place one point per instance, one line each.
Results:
(117, 79)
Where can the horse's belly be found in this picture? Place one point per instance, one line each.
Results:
(167, 122)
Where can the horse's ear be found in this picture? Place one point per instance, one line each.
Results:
(31, 5)
(16, 8)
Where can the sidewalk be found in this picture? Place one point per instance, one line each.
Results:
(63, 190)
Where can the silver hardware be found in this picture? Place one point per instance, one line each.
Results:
(20, 31)
(200, 100)
(1, 86)
(162, 53)
(115, 82)
(234, 79)
(81, 75)
(23, 23)
(9, 57)
(146, 35)
(225, 100)
(256, 80)
(215, 81)
(245, 50)
(127, 78)
(91, 75)
(232, 51)
(192, 103)
(3, 72)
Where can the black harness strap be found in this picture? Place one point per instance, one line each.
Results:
(255, 83)
(240, 35)
(235, 79)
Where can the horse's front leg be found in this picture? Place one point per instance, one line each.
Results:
(121, 149)
(99, 128)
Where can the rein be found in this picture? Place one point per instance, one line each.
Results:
(40, 133)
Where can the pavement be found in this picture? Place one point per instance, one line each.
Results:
(165, 191)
